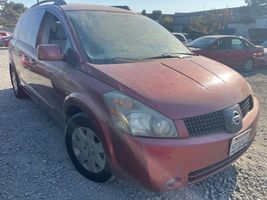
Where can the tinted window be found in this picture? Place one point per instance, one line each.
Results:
(109, 36)
(203, 42)
(237, 44)
(54, 33)
(222, 44)
(30, 26)
(247, 44)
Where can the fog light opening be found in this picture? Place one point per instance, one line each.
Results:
(173, 183)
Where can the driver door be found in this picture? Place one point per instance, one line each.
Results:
(50, 79)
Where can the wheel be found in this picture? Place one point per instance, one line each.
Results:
(248, 65)
(86, 150)
(17, 88)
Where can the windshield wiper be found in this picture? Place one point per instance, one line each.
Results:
(166, 55)
(122, 58)
(117, 60)
(171, 55)
(187, 54)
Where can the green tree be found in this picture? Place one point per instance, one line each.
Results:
(167, 22)
(211, 22)
(10, 13)
(155, 15)
(256, 8)
(256, 3)
(143, 12)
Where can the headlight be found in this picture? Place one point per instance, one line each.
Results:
(137, 119)
(259, 54)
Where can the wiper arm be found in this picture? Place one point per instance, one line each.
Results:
(122, 58)
(187, 54)
(166, 55)
(171, 55)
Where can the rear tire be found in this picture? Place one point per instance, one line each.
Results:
(86, 150)
(17, 88)
(248, 65)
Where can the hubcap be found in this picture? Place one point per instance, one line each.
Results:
(88, 149)
(248, 65)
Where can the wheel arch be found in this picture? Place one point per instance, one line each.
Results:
(76, 103)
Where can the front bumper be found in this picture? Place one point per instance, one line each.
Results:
(166, 164)
(261, 60)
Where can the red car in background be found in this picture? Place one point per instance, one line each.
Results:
(234, 51)
(4, 34)
(5, 38)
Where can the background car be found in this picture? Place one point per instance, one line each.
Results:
(264, 44)
(182, 37)
(4, 34)
(4, 41)
(233, 51)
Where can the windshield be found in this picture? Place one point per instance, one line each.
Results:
(201, 43)
(111, 36)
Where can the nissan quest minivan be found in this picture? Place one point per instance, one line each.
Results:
(134, 101)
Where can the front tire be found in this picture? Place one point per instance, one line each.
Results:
(17, 88)
(86, 150)
(248, 65)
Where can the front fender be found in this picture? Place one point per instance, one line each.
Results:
(95, 108)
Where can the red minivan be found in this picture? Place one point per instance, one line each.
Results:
(233, 51)
(133, 100)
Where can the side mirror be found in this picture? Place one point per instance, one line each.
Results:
(49, 52)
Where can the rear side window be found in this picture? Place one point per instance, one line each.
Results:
(237, 44)
(223, 44)
(30, 26)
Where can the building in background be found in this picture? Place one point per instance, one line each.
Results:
(244, 21)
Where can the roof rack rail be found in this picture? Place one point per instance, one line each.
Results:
(55, 2)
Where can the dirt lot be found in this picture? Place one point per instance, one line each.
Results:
(34, 163)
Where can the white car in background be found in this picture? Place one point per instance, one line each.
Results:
(183, 37)
(264, 44)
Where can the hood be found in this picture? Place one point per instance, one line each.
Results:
(178, 88)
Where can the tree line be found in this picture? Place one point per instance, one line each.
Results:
(214, 21)
(10, 13)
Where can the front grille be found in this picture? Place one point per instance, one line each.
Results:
(205, 124)
(246, 106)
(213, 122)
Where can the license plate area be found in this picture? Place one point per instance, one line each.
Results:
(239, 142)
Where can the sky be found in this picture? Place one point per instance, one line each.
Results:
(166, 6)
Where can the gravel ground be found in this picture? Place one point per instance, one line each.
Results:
(34, 163)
